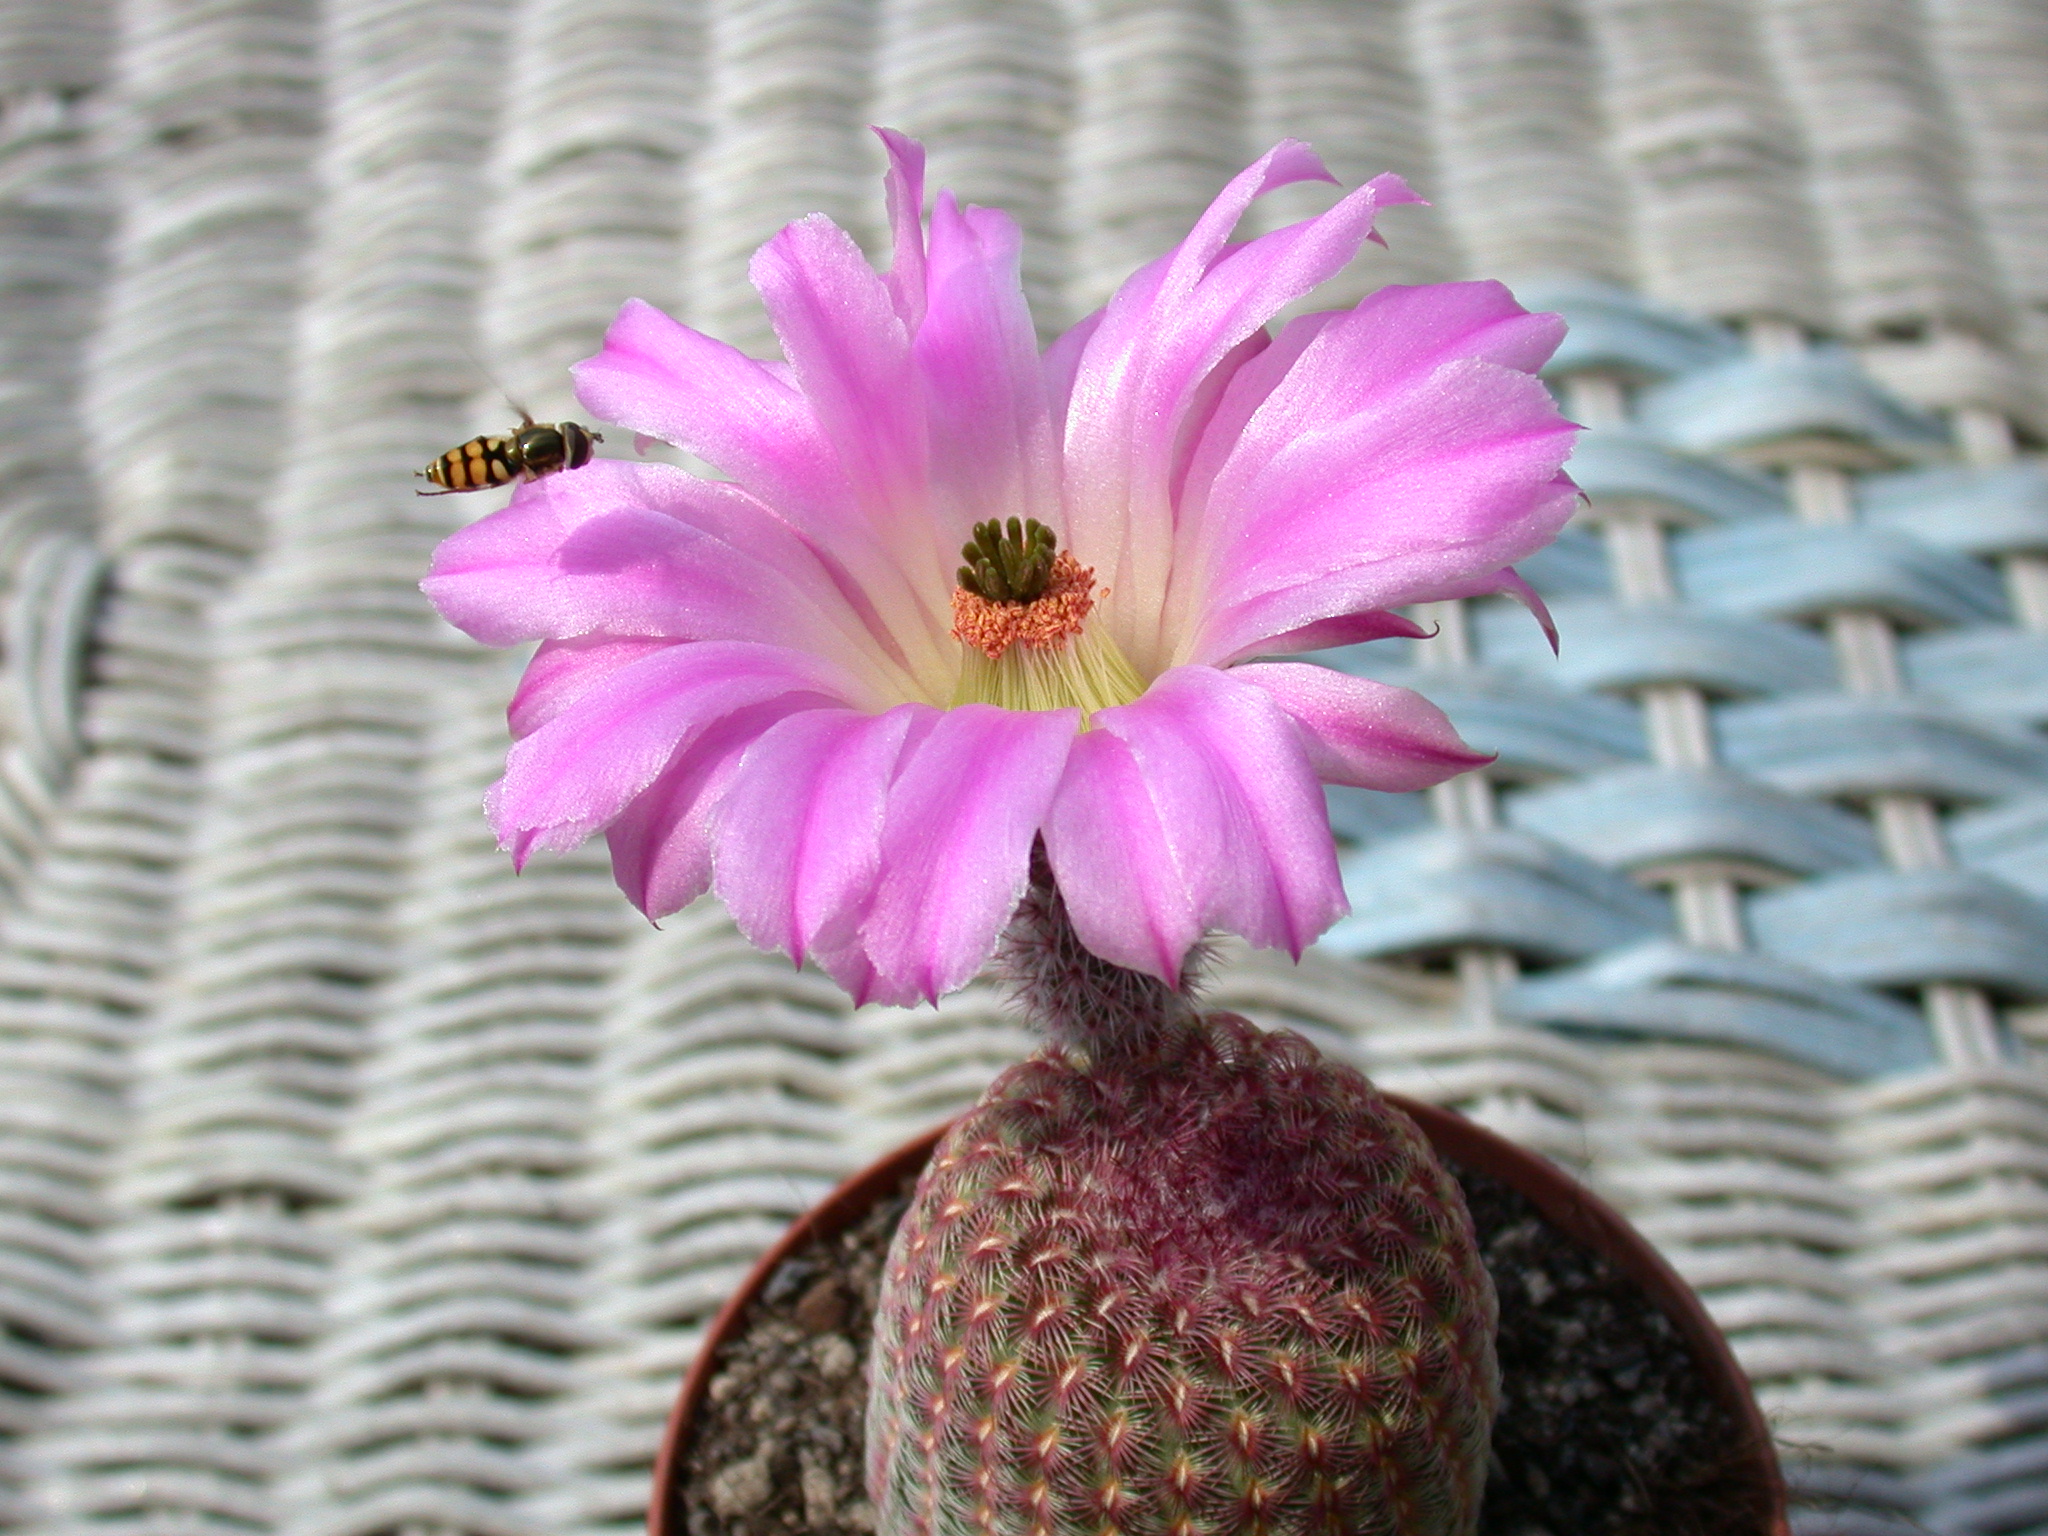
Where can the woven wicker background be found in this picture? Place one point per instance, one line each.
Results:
(349, 1186)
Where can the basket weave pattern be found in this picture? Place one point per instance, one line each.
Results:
(349, 1185)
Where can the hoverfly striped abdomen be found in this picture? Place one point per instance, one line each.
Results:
(480, 462)
(538, 448)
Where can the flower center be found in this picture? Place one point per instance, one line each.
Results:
(1015, 567)
(1021, 610)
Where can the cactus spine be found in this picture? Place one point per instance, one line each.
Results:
(1176, 1276)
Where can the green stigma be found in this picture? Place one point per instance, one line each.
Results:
(1013, 566)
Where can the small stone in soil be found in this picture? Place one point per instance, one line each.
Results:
(742, 1487)
(822, 1307)
(790, 1398)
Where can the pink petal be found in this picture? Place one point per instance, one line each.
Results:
(1286, 163)
(1365, 733)
(1394, 337)
(1061, 361)
(580, 769)
(1142, 372)
(1423, 574)
(1338, 367)
(905, 190)
(657, 377)
(646, 549)
(1404, 444)
(1502, 583)
(661, 843)
(849, 965)
(1138, 888)
(1246, 389)
(850, 353)
(1237, 837)
(1345, 629)
(1206, 402)
(992, 453)
(1405, 332)
(799, 839)
(1382, 624)
(1513, 586)
(956, 839)
(1450, 479)
(562, 671)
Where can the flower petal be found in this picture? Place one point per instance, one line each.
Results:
(1365, 733)
(1523, 522)
(849, 965)
(1246, 390)
(562, 671)
(661, 843)
(1238, 838)
(648, 549)
(1203, 407)
(1142, 372)
(658, 377)
(1136, 888)
(1061, 362)
(579, 770)
(992, 453)
(851, 355)
(1439, 488)
(904, 187)
(1509, 584)
(1332, 367)
(1384, 624)
(1501, 583)
(799, 838)
(1406, 452)
(956, 841)
(1345, 629)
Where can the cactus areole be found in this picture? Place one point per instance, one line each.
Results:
(968, 634)
(1176, 1275)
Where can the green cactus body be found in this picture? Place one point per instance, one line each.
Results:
(1195, 1280)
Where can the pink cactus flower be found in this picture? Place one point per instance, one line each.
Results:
(785, 685)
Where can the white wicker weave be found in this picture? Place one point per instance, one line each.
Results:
(352, 1186)
(1711, 157)
(1906, 248)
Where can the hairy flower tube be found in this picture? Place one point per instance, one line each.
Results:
(952, 596)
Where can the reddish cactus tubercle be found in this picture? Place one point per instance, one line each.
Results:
(1177, 1276)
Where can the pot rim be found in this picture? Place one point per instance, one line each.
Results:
(1563, 1201)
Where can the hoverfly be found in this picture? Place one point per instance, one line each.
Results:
(537, 448)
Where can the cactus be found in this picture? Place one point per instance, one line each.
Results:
(1177, 1276)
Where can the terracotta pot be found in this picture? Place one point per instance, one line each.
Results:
(1564, 1202)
